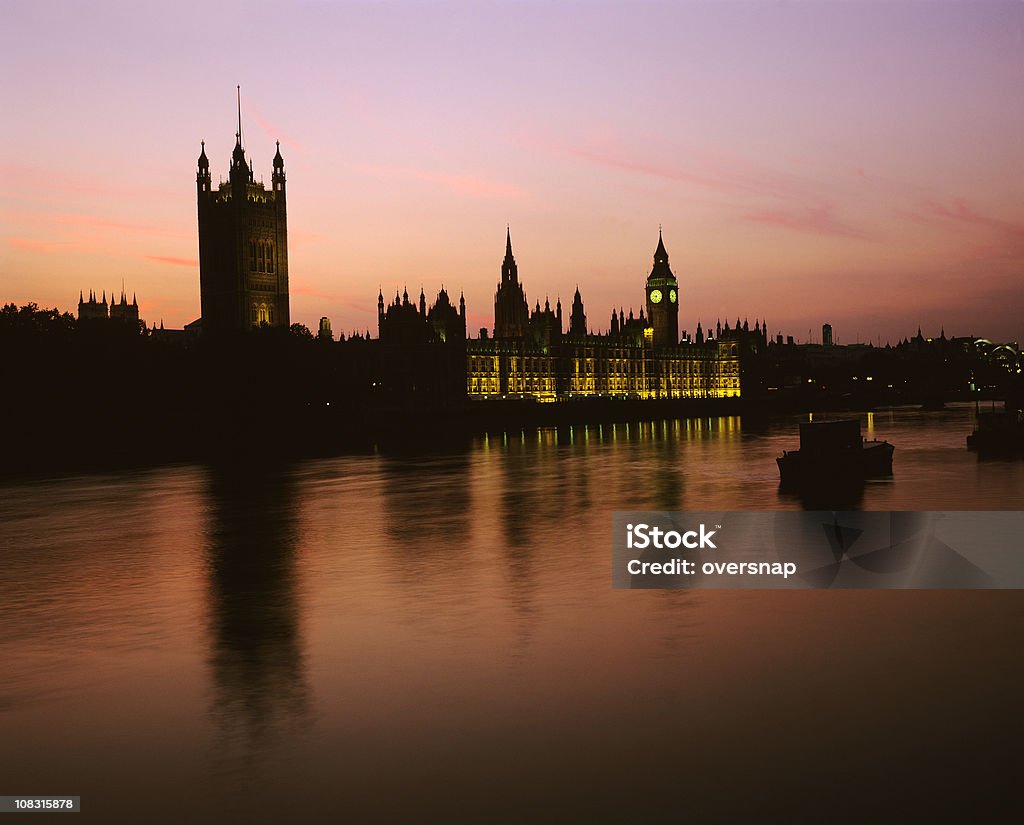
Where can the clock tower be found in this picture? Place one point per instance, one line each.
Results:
(663, 299)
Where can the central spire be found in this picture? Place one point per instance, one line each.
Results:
(509, 270)
(238, 155)
(660, 255)
(238, 134)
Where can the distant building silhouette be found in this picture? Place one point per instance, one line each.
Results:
(123, 311)
(826, 335)
(405, 322)
(93, 310)
(422, 351)
(243, 245)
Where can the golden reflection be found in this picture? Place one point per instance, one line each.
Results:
(723, 429)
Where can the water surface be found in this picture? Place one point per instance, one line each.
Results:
(433, 637)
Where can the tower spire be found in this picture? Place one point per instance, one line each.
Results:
(660, 255)
(238, 89)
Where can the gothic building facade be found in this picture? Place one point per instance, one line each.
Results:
(243, 245)
(531, 356)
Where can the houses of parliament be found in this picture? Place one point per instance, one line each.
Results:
(529, 354)
(532, 355)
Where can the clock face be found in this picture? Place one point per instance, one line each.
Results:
(655, 296)
(672, 295)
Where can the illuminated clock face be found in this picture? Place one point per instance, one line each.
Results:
(672, 295)
(655, 296)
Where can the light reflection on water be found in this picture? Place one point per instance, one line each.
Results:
(434, 637)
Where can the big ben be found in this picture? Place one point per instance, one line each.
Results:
(663, 299)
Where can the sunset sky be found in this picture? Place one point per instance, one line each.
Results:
(856, 163)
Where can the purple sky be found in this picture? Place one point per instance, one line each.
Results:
(857, 163)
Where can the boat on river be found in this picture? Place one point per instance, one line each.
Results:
(999, 432)
(834, 453)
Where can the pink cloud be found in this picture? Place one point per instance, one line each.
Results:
(67, 220)
(960, 211)
(731, 175)
(706, 167)
(818, 220)
(170, 259)
(974, 233)
(667, 172)
(467, 185)
(35, 181)
(301, 288)
(35, 245)
(271, 130)
(114, 226)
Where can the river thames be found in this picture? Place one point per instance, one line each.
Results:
(434, 637)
